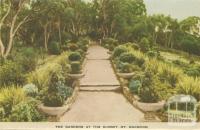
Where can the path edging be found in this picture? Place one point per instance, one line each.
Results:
(128, 95)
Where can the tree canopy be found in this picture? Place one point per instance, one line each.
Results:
(41, 22)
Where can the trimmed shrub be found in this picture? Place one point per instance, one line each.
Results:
(64, 47)
(81, 52)
(31, 90)
(83, 43)
(110, 43)
(152, 90)
(132, 45)
(147, 92)
(134, 85)
(111, 47)
(73, 46)
(11, 73)
(135, 46)
(75, 67)
(127, 57)
(118, 51)
(126, 68)
(65, 91)
(53, 100)
(56, 93)
(27, 58)
(75, 56)
(54, 48)
(139, 62)
(118, 63)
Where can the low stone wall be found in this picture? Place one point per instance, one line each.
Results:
(128, 95)
(133, 99)
(126, 92)
(84, 61)
(148, 116)
(72, 99)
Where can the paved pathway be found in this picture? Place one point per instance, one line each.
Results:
(97, 53)
(99, 72)
(98, 69)
(100, 105)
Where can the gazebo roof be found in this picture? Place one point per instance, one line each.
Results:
(182, 99)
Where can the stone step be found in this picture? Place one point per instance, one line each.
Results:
(99, 88)
(99, 84)
(100, 59)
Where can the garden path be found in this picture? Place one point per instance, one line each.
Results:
(98, 69)
(97, 101)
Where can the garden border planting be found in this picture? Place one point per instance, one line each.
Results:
(126, 92)
(59, 111)
(98, 61)
(133, 99)
(155, 79)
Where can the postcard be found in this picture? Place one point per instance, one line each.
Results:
(99, 64)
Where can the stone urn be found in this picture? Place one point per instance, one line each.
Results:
(76, 76)
(126, 75)
(58, 111)
(150, 107)
(53, 111)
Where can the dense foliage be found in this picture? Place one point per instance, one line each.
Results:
(56, 92)
(16, 106)
(65, 21)
(155, 78)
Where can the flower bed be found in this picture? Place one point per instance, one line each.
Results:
(56, 89)
(59, 111)
(27, 81)
(58, 85)
(154, 80)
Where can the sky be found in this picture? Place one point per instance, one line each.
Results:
(179, 9)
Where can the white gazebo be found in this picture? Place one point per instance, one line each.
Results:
(182, 108)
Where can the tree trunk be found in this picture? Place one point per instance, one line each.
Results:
(45, 38)
(5, 50)
(10, 43)
(59, 31)
(170, 40)
(2, 48)
(11, 36)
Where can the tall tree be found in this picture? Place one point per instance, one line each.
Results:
(191, 25)
(116, 17)
(12, 17)
(165, 29)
